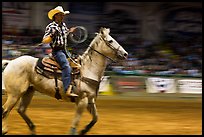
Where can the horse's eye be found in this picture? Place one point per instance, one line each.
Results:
(110, 41)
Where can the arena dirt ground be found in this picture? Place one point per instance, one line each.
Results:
(117, 116)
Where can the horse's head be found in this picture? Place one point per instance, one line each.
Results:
(111, 48)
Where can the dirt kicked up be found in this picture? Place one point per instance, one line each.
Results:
(130, 116)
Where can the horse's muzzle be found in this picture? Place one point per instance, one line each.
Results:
(122, 56)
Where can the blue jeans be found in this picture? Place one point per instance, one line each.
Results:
(61, 58)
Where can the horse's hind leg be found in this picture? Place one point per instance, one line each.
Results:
(6, 108)
(24, 102)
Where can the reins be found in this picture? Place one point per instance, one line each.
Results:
(93, 82)
(109, 45)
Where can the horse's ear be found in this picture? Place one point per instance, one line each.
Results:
(108, 30)
(101, 30)
(104, 30)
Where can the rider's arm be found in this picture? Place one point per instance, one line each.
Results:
(49, 34)
(47, 39)
(72, 29)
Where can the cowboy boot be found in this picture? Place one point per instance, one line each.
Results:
(69, 94)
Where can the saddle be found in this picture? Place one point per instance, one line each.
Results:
(48, 67)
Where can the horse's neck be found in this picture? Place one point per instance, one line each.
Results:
(94, 64)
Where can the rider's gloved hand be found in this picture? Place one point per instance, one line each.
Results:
(72, 29)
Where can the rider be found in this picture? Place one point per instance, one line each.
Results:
(56, 34)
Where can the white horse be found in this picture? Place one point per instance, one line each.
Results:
(21, 81)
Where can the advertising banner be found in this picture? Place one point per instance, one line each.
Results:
(105, 88)
(124, 84)
(190, 86)
(160, 85)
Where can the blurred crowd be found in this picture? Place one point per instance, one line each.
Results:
(169, 57)
(166, 58)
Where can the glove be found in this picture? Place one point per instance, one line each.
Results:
(72, 29)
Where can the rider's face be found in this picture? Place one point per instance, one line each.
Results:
(59, 17)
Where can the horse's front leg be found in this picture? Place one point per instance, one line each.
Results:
(93, 111)
(82, 104)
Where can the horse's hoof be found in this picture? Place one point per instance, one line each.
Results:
(4, 133)
(33, 132)
(73, 131)
(4, 130)
(83, 132)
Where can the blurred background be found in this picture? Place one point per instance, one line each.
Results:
(162, 38)
(164, 42)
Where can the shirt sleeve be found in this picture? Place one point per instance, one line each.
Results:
(50, 30)
(66, 29)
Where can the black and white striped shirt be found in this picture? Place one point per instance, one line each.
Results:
(59, 40)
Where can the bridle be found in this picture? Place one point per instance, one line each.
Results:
(108, 43)
(92, 82)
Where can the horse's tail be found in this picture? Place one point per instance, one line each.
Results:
(4, 64)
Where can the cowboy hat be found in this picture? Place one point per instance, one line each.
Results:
(56, 10)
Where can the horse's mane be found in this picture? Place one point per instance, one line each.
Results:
(94, 42)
